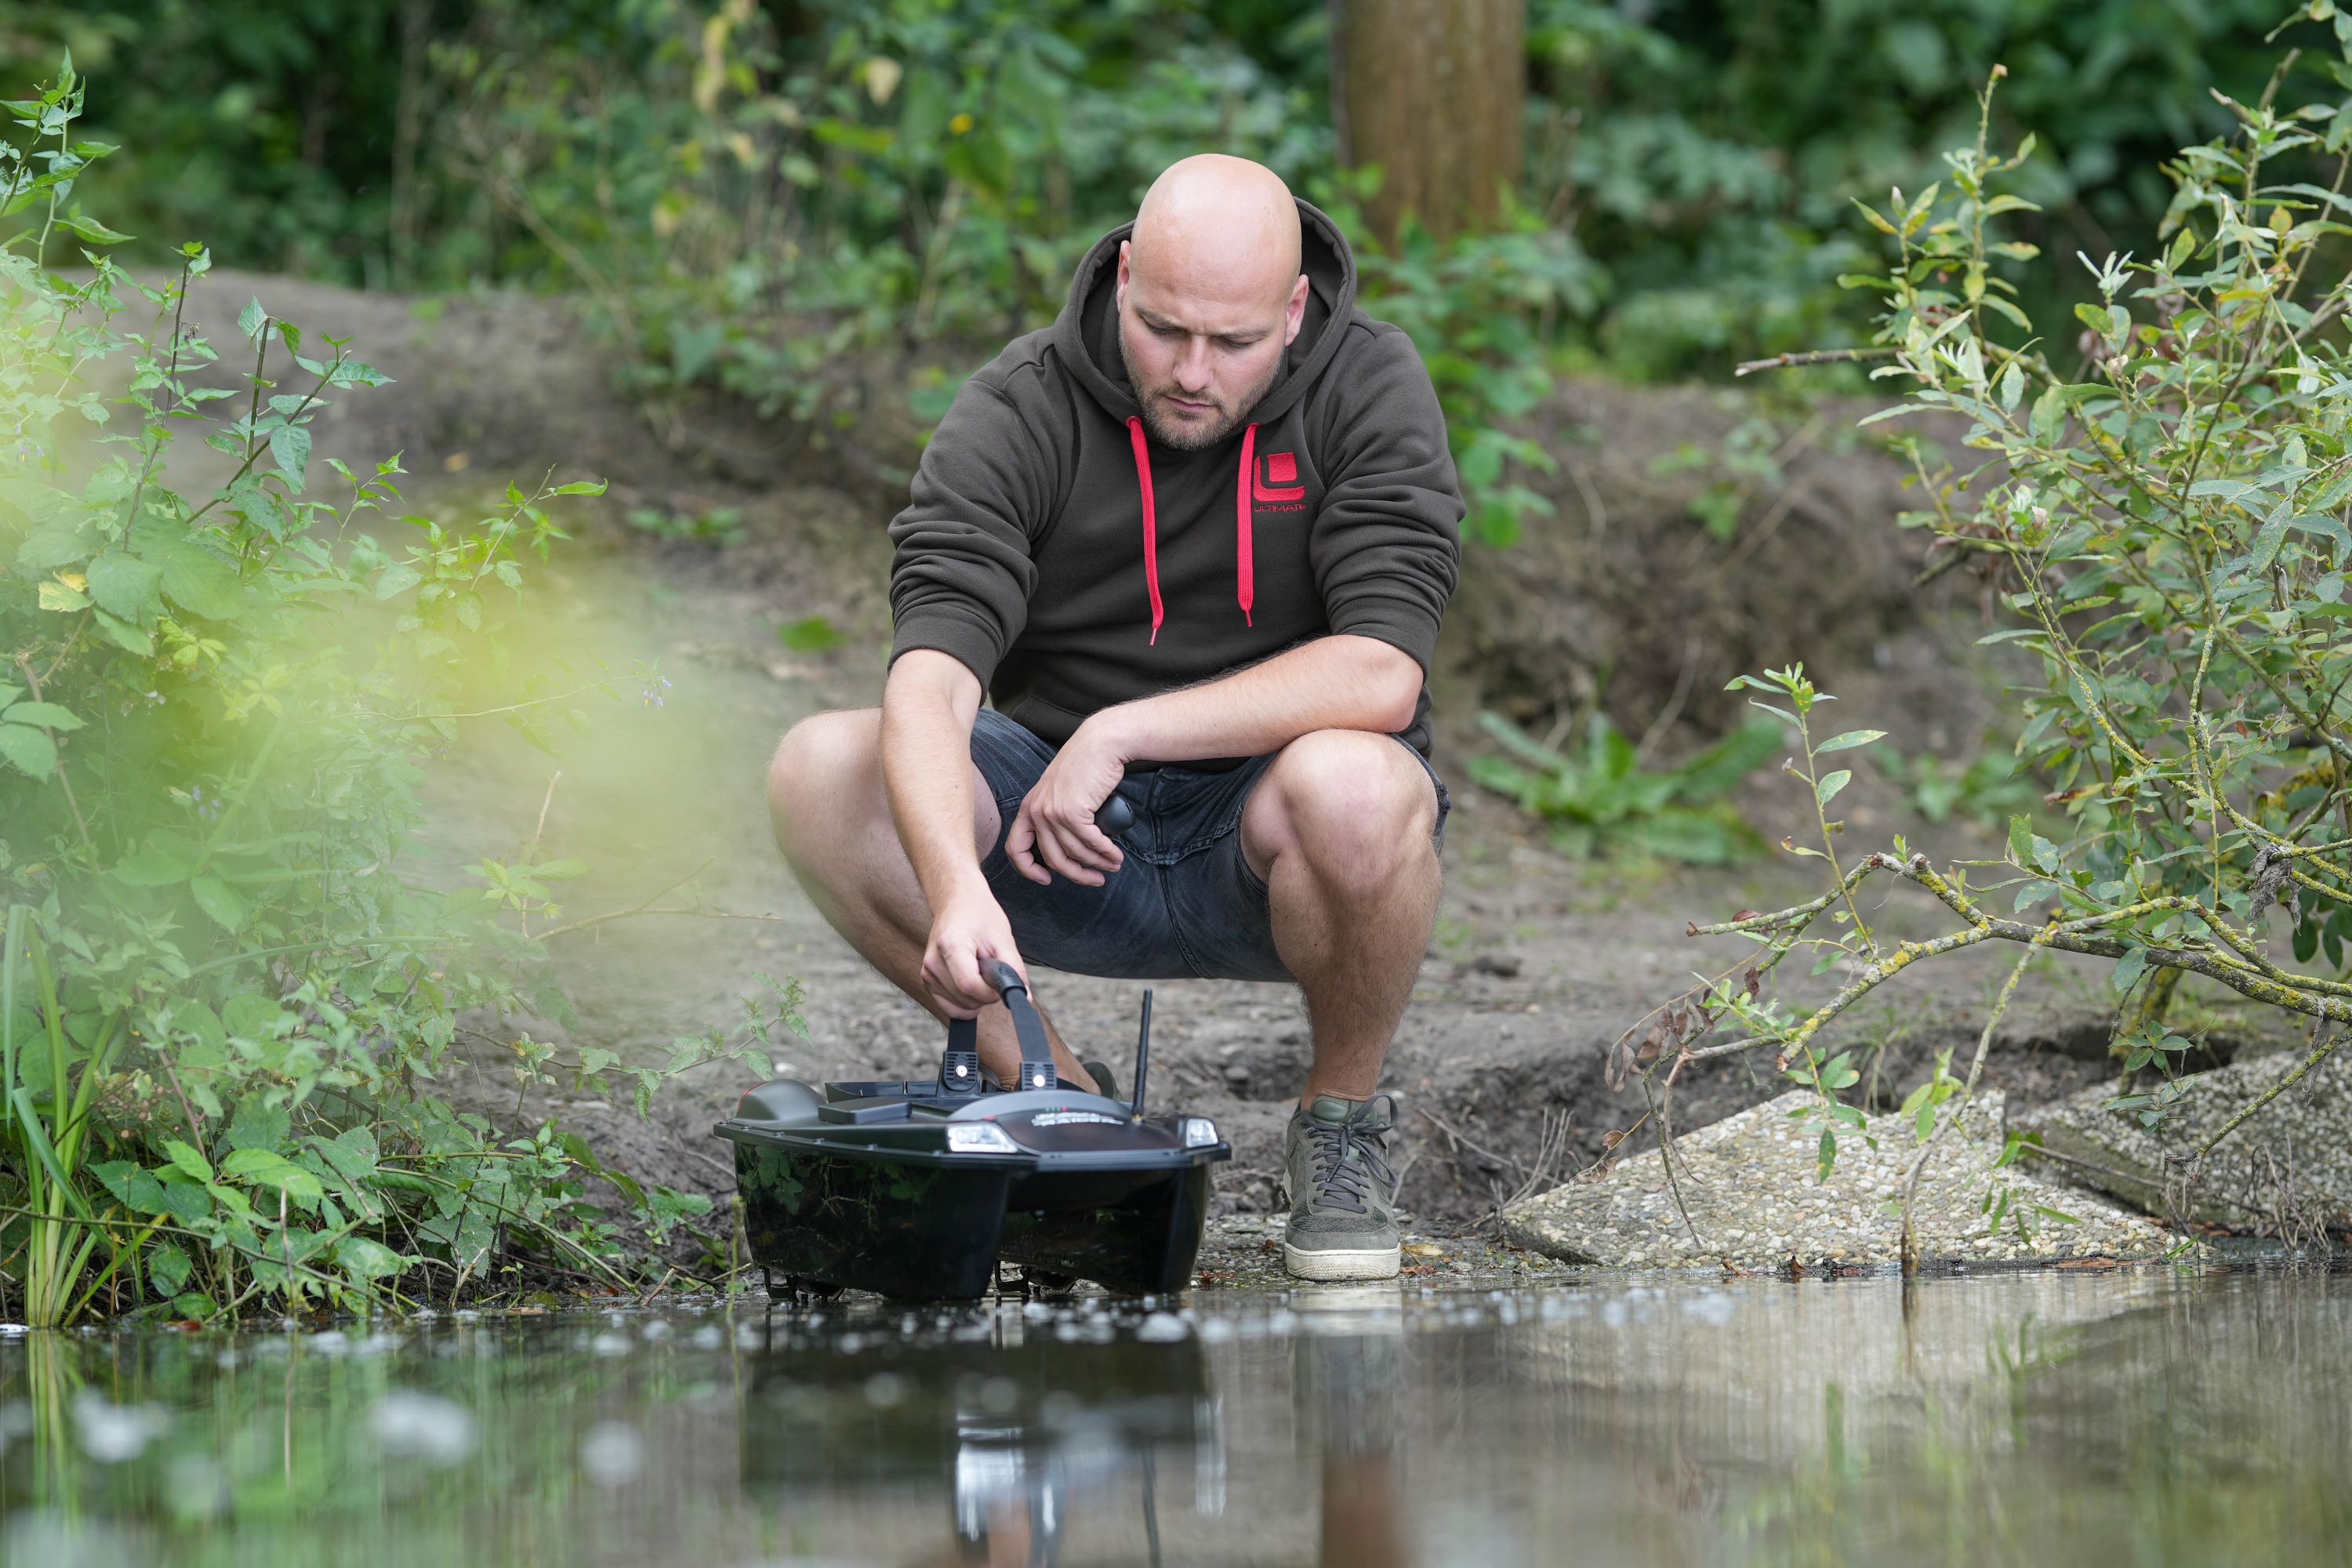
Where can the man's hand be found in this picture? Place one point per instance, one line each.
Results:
(1056, 821)
(967, 928)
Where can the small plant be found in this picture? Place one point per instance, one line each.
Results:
(810, 634)
(1602, 800)
(722, 525)
(1749, 459)
(1985, 789)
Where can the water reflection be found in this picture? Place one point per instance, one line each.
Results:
(1009, 1423)
(2047, 1418)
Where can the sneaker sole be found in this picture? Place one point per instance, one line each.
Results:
(1335, 1263)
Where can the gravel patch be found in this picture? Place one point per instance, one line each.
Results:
(2288, 1168)
(1751, 1186)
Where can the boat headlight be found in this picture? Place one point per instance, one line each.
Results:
(1200, 1133)
(980, 1138)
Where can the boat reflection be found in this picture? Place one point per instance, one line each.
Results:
(1076, 1431)
(1014, 1424)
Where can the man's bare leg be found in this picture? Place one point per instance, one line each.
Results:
(1340, 828)
(832, 820)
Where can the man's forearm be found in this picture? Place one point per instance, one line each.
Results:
(1337, 682)
(928, 707)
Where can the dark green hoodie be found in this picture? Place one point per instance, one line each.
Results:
(1073, 563)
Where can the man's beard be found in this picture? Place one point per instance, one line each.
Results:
(1189, 437)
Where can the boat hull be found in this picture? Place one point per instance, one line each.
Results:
(921, 1231)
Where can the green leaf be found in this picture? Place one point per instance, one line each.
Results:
(1826, 791)
(27, 750)
(2020, 840)
(369, 1259)
(289, 449)
(269, 1168)
(152, 865)
(249, 320)
(2128, 969)
(1850, 740)
(124, 585)
(397, 578)
(1714, 772)
(135, 1187)
(560, 871)
(168, 1269)
(188, 1162)
(46, 715)
(1828, 1153)
(2266, 542)
(259, 1125)
(194, 578)
(252, 1017)
(90, 229)
(219, 902)
(124, 634)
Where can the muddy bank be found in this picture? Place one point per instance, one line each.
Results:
(1538, 962)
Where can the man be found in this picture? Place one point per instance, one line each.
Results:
(1194, 540)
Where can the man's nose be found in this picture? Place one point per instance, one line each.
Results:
(1193, 373)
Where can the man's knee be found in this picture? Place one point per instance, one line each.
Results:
(826, 765)
(1355, 805)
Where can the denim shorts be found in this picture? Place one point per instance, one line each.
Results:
(1183, 903)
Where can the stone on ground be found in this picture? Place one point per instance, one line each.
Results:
(2288, 1168)
(1750, 1182)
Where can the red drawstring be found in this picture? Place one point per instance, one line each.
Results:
(1245, 555)
(1244, 562)
(1151, 520)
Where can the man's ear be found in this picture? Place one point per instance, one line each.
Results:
(1295, 314)
(1126, 248)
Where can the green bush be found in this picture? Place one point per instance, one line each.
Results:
(2165, 497)
(223, 999)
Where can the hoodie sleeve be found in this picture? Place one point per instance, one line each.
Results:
(961, 574)
(1386, 544)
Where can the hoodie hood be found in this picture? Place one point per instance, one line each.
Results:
(1087, 332)
(1071, 563)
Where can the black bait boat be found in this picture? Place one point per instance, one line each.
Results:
(916, 1188)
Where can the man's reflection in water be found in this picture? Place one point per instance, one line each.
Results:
(1347, 1371)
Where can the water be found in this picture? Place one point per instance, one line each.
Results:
(2146, 1417)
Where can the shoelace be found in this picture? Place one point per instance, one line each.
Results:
(1347, 1156)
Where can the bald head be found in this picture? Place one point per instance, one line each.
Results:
(1210, 293)
(1222, 222)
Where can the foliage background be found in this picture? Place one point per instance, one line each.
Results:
(1690, 162)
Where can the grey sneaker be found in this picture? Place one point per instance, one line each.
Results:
(1342, 1194)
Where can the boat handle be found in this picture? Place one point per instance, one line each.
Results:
(1037, 1071)
(1114, 816)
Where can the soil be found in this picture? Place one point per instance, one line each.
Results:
(1539, 964)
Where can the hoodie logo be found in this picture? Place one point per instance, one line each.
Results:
(1276, 480)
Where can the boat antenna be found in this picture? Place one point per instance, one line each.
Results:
(1142, 1052)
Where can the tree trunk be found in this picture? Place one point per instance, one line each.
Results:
(1431, 91)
